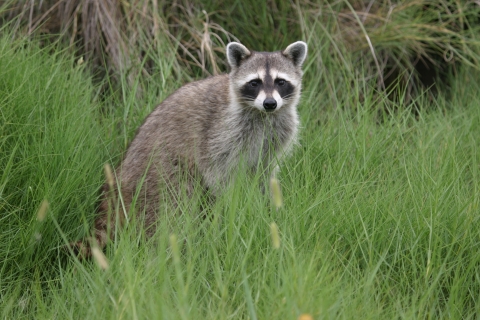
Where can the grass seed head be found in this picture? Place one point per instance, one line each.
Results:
(175, 249)
(275, 235)
(42, 211)
(109, 175)
(276, 193)
(100, 258)
(305, 316)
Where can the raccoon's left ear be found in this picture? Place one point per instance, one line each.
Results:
(236, 52)
(297, 52)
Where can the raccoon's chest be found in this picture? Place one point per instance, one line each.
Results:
(258, 147)
(264, 139)
(249, 143)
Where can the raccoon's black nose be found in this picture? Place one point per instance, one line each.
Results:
(269, 104)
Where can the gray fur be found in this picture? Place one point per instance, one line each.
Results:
(205, 131)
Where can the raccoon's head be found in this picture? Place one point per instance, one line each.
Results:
(267, 81)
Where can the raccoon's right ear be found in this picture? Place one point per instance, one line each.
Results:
(297, 52)
(236, 52)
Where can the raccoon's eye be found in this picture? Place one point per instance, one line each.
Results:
(281, 82)
(254, 83)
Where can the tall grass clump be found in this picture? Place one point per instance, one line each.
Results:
(52, 148)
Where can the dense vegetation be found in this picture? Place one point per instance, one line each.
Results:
(380, 214)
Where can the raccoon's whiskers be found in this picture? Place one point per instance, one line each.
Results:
(248, 98)
(288, 96)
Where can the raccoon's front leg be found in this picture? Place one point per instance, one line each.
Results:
(106, 223)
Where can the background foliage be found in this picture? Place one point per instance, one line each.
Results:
(411, 43)
(381, 200)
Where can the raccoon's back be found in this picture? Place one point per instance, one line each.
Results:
(179, 126)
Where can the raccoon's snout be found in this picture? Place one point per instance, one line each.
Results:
(269, 104)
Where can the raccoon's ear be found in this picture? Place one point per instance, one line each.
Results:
(236, 52)
(297, 52)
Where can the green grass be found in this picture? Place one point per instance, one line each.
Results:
(380, 217)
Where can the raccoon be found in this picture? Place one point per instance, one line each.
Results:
(206, 131)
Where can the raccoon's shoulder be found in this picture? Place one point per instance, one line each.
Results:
(194, 103)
